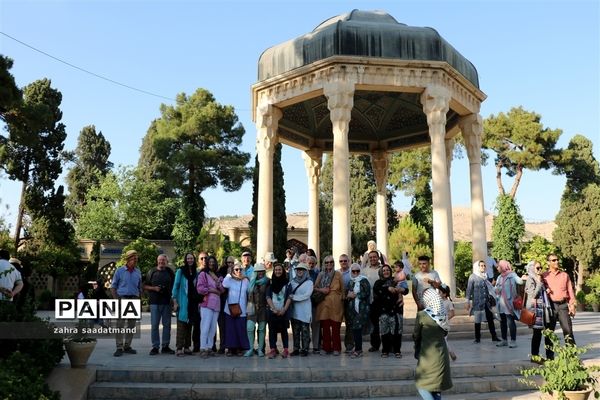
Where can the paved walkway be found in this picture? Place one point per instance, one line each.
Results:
(586, 328)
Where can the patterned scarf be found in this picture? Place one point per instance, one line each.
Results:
(356, 290)
(435, 309)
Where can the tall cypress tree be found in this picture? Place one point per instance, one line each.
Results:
(91, 163)
(280, 224)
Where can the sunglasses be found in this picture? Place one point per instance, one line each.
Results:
(343, 261)
(554, 260)
(230, 262)
(355, 271)
(203, 258)
(328, 262)
(237, 269)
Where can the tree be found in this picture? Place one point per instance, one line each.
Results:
(147, 254)
(410, 237)
(410, 172)
(91, 163)
(362, 205)
(10, 95)
(508, 229)
(32, 152)
(577, 231)
(126, 206)
(537, 249)
(280, 224)
(194, 146)
(520, 141)
(463, 264)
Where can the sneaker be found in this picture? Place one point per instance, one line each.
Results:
(249, 353)
(154, 351)
(118, 353)
(295, 353)
(384, 355)
(398, 355)
(502, 343)
(496, 339)
(272, 354)
(285, 353)
(203, 353)
(187, 351)
(129, 350)
(167, 350)
(512, 344)
(304, 353)
(373, 349)
(478, 341)
(316, 351)
(261, 353)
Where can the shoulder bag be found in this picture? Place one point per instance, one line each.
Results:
(234, 309)
(317, 297)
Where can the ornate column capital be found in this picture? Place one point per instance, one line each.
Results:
(471, 127)
(340, 100)
(380, 161)
(312, 162)
(436, 103)
(267, 121)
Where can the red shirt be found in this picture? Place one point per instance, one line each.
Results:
(560, 285)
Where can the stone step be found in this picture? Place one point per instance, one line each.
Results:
(293, 390)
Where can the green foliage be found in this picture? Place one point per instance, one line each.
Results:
(280, 224)
(213, 241)
(579, 166)
(184, 236)
(422, 211)
(147, 254)
(577, 231)
(410, 237)
(91, 163)
(27, 362)
(193, 146)
(363, 193)
(565, 372)
(410, 171)
(127, 205)
(463, 264)
(537, 249)
(508, 229)
(32, 152)
(520, 142)
(593, 284)
(10, 95)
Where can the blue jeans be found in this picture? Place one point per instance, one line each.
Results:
(160, 313)
(508, 319)
(426, 395)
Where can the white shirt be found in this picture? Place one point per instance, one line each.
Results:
(9, 276)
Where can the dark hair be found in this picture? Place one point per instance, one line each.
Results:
(424, 258)
(551, 255)
(446, 290)
(399, 264)
(185, 258)
(4, 254)
(311, 252)
(208, 262)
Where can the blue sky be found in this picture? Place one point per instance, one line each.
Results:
(542, 55)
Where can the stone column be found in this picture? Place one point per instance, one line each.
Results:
(381, 162)
(312, 162)
(340, 100)
(435, 100)
(472, 128)
(267, 119)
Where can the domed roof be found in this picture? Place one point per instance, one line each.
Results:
(363, 34)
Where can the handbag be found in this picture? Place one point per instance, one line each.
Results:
(318, 297)
(490, 301)
(518, 303)
(527, 317)
(234, 309)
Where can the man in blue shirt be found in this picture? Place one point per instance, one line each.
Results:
(126, 284)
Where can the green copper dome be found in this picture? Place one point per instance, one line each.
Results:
(363, 34)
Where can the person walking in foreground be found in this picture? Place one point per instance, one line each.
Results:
(560, 290)
(479, 294)
(506, 290)
(432, 375)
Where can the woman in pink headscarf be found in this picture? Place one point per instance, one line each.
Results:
(506, 291)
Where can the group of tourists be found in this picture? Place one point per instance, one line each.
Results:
(242, 299)
(548, 295)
